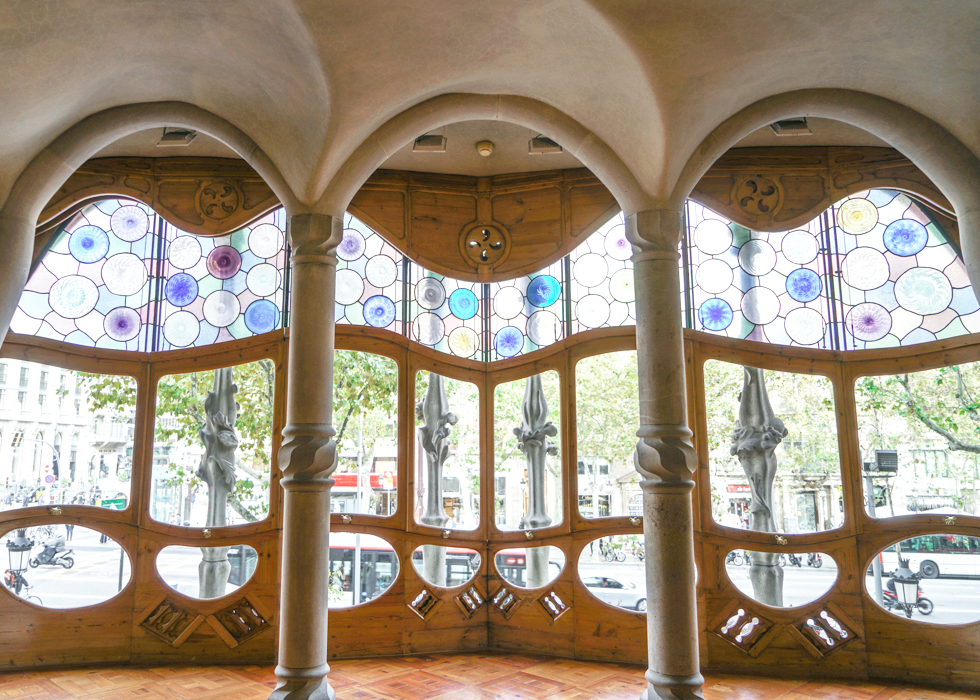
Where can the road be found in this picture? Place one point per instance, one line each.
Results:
(957, 601)
(95, 575)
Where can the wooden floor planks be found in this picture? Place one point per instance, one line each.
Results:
(434, 677)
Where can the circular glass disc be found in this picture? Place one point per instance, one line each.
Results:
(73, 296)
(221, 308)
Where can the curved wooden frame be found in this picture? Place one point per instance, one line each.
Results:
(387, 626)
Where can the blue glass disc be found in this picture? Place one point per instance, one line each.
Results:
(804, 285)
(463, 304)
(906, 237)
(261, 316)
(181, 289)
(379, 311)
(88, 244)
(715, 314)
(543, 291)
(508, 342)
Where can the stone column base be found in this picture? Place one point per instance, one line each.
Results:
(303, 684)
(661, 687)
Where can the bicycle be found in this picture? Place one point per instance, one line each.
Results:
(15, 581)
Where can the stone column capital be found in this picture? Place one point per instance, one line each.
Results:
(665, 457)
(309, 454)
(313, 237)
(655, 230)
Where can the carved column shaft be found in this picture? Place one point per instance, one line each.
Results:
(666, 460)
(308, 457)
(434, 436)
(532, 439)
(757, 433)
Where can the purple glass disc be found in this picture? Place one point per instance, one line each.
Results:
(122, 324)
(224, 261)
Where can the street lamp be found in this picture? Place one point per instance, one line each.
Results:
(906, 587)
(18, 549)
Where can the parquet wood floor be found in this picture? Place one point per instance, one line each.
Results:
(434, 677)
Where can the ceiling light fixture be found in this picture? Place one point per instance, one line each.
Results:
(791, 127)
(176, 136)
(430, 143)
(541, 145)
(484, 148)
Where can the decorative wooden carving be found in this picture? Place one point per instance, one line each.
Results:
(206, 196)
(470, 600)
(824, 631)
(776, 189)
(531, 219)
(424, 604)
(553, 606)
(744, 628)
(479, 229)
(238, 622)
(170, 621)
(505, 602)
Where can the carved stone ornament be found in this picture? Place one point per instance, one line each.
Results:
(217, 200)
(758, 431)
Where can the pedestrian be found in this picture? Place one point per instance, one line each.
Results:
(103, 538)
(69, 531)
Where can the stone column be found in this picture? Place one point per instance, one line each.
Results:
(308, 457)
(665, 458)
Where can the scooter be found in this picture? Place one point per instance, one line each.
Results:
(890, 599)
(795, 560)
(54, 554)
(735, 557)
(813, 559)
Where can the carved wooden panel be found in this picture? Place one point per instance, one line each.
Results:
(206, 196)
(532, 219)
(776, 189)
(172, 622)
(239, 622)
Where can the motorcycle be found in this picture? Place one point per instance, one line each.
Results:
(814, 559)
(795, 560)
(54, 554)
(890, 599)
(735, 557)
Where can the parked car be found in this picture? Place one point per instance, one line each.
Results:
(616, 592)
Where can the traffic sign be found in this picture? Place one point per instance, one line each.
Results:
(117, 503)
(49, 479)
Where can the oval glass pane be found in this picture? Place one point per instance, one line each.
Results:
(64, 566)
(447, 567)
(362, 567)
(530, 567)
(940, 579)
(612, 569)
(181, 569)
(805, 577)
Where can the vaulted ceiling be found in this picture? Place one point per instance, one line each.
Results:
(310, 80)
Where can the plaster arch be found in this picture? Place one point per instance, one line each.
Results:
(953, 167)
(50, 168)
(447, 109)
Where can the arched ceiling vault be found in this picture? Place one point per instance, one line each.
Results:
(310, 80)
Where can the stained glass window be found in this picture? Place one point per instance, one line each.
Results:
(119, 276)
(602, 279)
(873, 271)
